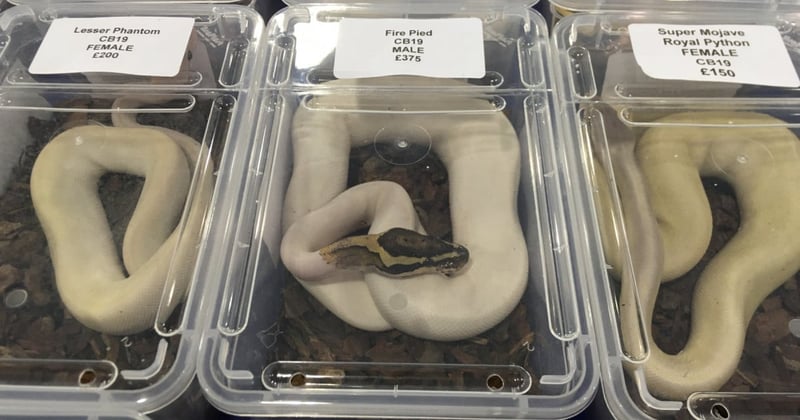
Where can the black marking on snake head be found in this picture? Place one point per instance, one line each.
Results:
(433, 254)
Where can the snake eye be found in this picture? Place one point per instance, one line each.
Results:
(458, 258)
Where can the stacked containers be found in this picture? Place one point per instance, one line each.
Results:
(559, 8)
(79, 330)
(500, 333)
(264, 7)
(32, 413)
(683, 197)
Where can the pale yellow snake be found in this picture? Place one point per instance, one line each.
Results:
(158, 251)
(668, 232)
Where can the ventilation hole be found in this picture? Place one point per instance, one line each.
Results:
(719, 411)
(15, 298)
(87, 377)
(298, 379)
(794, 327)
(494, 382)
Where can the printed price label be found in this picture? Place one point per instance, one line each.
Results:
(143, 45)
(422, 47)
(752, 54)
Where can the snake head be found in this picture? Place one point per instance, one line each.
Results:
(408, 253)
(396, 252)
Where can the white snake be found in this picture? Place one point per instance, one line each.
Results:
(158, 252)
(668, 233)
(481, 153)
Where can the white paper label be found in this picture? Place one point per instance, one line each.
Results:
(140, 45)
(751, 54)
(422, 47)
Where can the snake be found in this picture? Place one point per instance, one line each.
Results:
(162, 237)
(473, 290)
(668, 229)
(397, 252)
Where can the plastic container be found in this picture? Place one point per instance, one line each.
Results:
(262, 6)
(272, 349)
(230, 2)
(561, 8)
(64, 344)
(668, 181)
(33, 413)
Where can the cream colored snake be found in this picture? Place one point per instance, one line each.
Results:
(480, 150)
(161, 239)
(668, 224)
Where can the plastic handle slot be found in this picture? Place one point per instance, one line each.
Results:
(412, 103)
(233, 63)
(530, 57)
(581, 73)
(725, 405)
(217, 128)
(562, 310)
(594, 130)
(184, 79)
(69, 373)
(256, 218)
(280, 59)
(396, 377)
(52, 100)
(492, 79)
(648, 116)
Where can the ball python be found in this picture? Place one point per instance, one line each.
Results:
(397, 252)
(669, 231)
(161, 240)
(481, 153)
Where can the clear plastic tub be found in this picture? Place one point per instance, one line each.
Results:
(561, 8)
(34, 414)
(683, 196)
(250, 3)
(506, 336)
(78, 330)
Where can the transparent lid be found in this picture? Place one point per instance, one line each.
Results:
(305, 40)
(685, 193)
(566, 7)
(447, 291)
(417, 4)
(107, 184)
(231, 2)
(21, 413)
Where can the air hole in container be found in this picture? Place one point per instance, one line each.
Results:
(284, 42)
(87, 377)
(794, 327)
(494, 382)
(15, 298)
(298, 379)
(719, 411)
(402, 144)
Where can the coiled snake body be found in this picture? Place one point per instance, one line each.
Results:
(668, 224)
(158, 251)
(481, 153)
